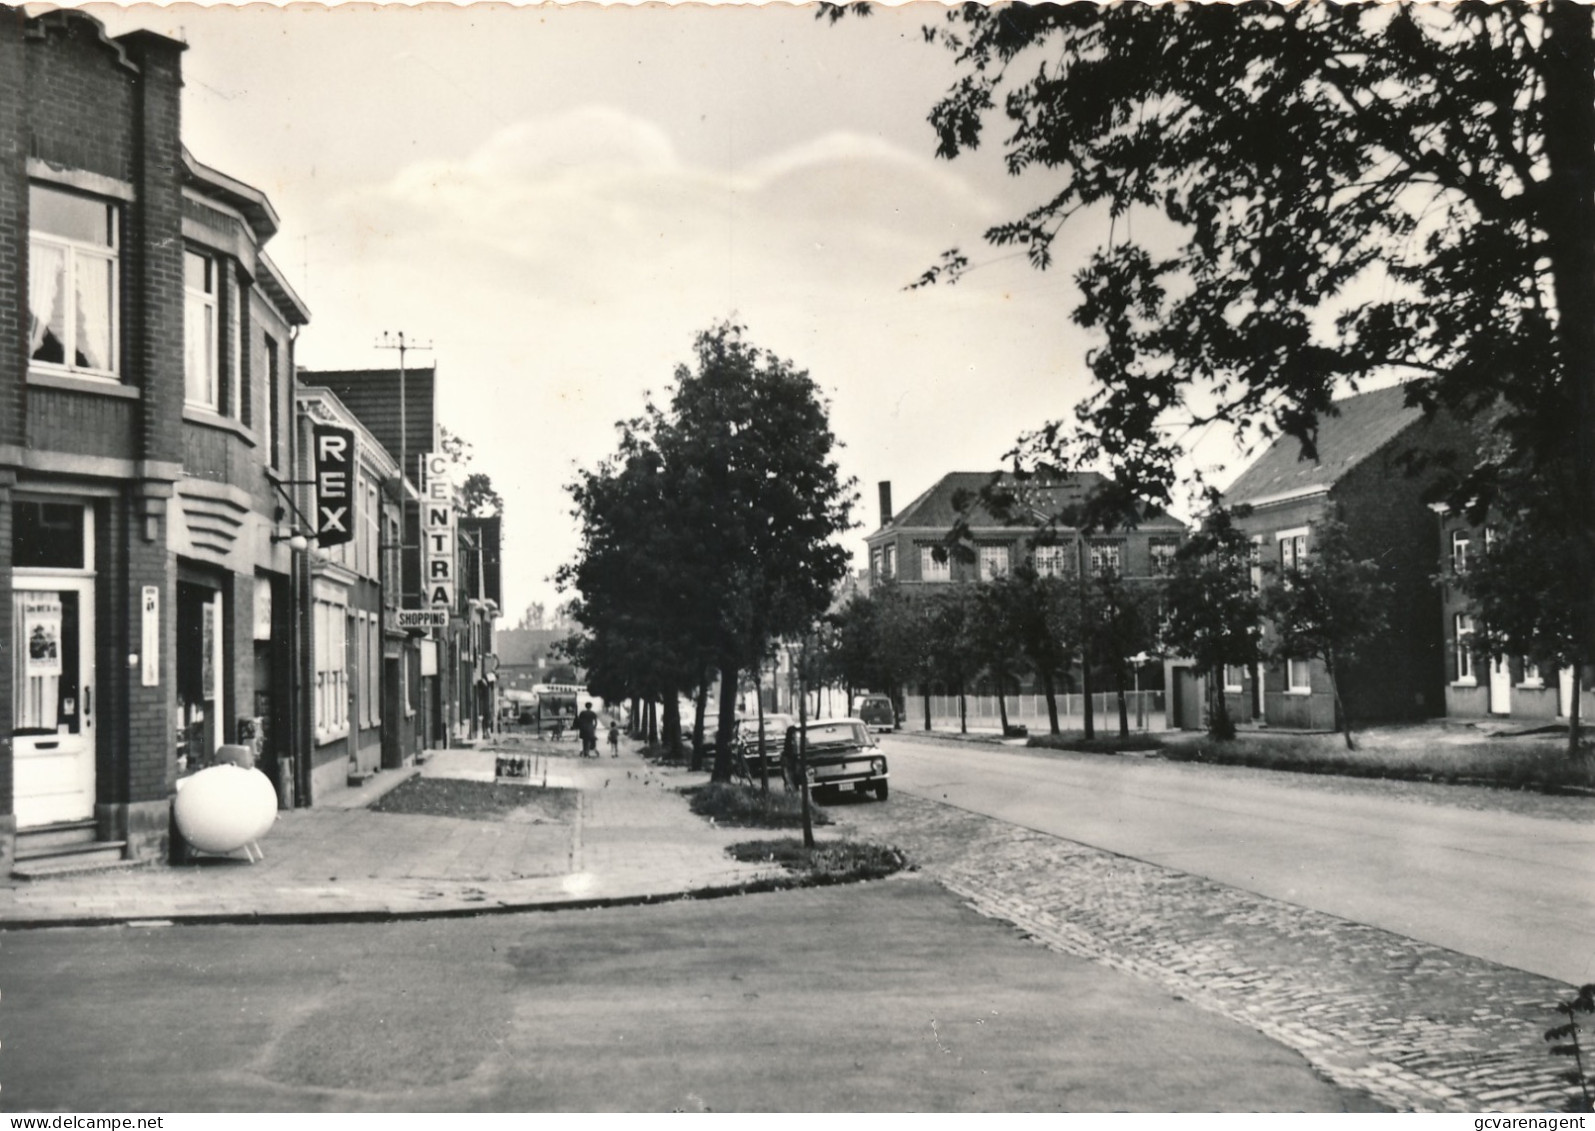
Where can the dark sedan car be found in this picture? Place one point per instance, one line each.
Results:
(842, 756)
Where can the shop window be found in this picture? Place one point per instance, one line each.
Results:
(72, 282)
(332, 676)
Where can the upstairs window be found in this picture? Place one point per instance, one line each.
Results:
(1051, 561)
(1107, 557)
(993, 562)
(72, 282)
(1293, 551)
(1162, 551)
(889, 562)
(932, 570)
(1459, 551)
(199, 330)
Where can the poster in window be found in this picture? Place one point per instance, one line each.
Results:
(207, 677)
(41, 626)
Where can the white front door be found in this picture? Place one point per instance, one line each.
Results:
(1500, 686)
(53, 696)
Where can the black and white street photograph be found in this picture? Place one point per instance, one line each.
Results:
(831, 558)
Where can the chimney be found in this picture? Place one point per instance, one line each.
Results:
(886, 501)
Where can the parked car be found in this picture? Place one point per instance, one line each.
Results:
(775, 727)
(842, 755)
(877, 712)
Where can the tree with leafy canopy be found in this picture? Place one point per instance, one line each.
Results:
(757, 500)
(1214, 611)
(1329, 607)
(1321, 195)
(949, 647)
(992, 643)
(1121, 622)
(1043, 619)
(1525, 596)
(637, 601)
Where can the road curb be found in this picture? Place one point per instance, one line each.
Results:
(789, 882)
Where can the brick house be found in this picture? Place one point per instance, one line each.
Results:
(1360, 473)
(905, 550)
(349, 595)
(1490, 686)
(406, 427)
(905, 547)
(146, 372)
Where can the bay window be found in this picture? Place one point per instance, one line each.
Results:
(200, 330)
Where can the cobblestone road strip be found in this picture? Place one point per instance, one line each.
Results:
(1418, 1027)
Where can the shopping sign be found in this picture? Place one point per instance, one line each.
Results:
(437, 532)
(334, 459)
(423, 618)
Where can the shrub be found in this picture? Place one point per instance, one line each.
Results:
(829, 861)
(1507, 763)
(1074, 740)
(748, 806)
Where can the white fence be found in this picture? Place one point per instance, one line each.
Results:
(1146, 710)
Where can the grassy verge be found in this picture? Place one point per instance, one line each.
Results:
(749, 807)
(828, 861)
(474, 800)
(1102, 744)
(1524, 763)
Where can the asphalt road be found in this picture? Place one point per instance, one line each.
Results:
(1513, 889)
(885, 996)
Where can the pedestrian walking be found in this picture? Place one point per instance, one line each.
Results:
(614, 739)
(587, 726)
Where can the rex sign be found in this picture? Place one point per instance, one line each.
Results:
(437, 533)
(334, 459)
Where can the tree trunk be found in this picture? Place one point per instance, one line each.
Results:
(1124, 706)
(1051, 691)
(1569, 221)
(963, 710)
(1341, 717)
(698, 704)
(924, 691)
(726, 731)
(764, 762)
(1572, 713)
(1002, 701)
(653, 723)
(1089, 711)
(803, 750)
(1219, 724)
(672, 734)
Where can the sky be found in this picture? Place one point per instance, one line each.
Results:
(558, 199)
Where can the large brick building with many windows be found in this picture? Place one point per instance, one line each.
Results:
(146, 347)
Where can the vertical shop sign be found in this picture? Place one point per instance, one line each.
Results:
(150, 637)
(334, 451)
(438, 515)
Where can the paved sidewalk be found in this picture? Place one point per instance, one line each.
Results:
(632, 839)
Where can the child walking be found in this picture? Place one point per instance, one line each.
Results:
(614, 739)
